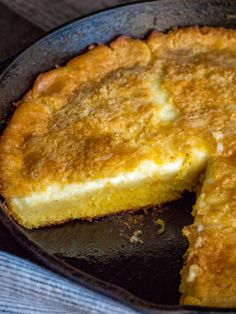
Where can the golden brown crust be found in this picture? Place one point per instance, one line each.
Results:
(211, 254)
(52, 91)
(212, 261)
(101, 114)
(60, 88)
(193, 38)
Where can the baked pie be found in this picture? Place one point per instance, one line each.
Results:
(130, 125)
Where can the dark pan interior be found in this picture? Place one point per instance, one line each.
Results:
(91, 252)
(102, 248)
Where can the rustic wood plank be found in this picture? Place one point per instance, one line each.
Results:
(15, 32)
(49, 14)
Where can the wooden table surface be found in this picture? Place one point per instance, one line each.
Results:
(21, 23)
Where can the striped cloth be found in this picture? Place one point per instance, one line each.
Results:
(28, 288)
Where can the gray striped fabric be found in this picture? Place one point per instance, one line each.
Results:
(28, 288)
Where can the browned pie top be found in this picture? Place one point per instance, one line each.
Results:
(102, 112)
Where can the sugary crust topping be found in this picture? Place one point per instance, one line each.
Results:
(194, 39)
(100, 114)
(210, 274)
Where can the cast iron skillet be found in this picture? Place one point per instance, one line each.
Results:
(99, 255)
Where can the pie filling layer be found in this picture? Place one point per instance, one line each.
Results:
(148, 184)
